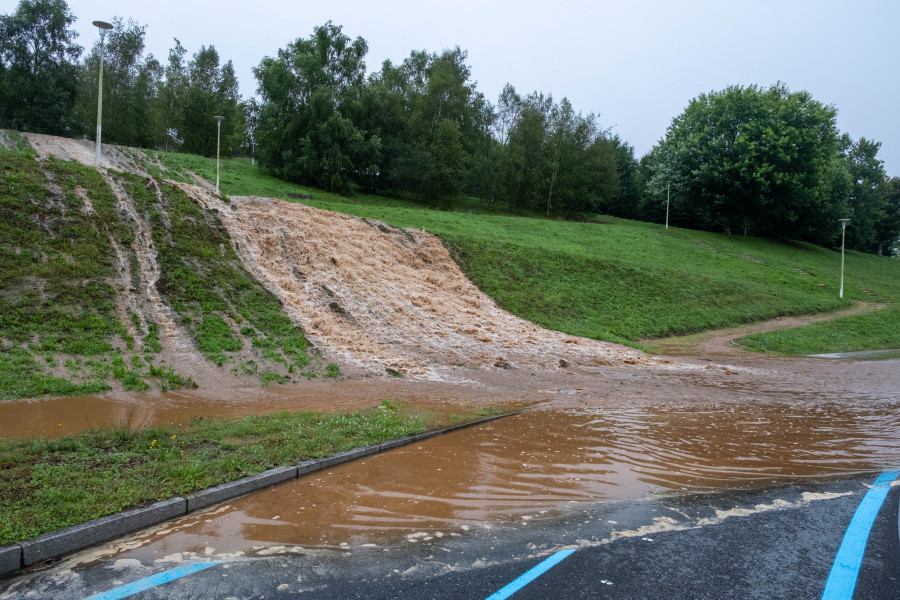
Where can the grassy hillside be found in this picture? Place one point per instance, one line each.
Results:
(623, 280)
(76, 316)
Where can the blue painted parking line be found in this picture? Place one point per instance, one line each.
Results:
(151, 582)
(530, 575)
(842, 579)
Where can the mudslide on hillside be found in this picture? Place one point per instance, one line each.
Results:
(372, 297)
(387, 299)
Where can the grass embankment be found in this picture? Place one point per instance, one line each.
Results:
(49, 484)
(73, 315)
(624, 281)
(875, 331)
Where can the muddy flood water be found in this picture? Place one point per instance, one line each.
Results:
(617, 435)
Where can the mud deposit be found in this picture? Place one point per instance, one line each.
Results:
(589, 439)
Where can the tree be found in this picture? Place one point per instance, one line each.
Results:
(38, 74)
(171, 98)
(443, 129)
(754, 159)
(626, 200)
(211, 90)
(868, 194)
(311, 98)
(130, 83)
(887, 231)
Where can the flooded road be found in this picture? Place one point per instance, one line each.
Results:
(620, 436)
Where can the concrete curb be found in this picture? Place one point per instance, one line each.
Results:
(70, 539)
(232, 489)
(79, 537)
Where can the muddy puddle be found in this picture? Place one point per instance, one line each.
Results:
(693, 435)
(56, 417)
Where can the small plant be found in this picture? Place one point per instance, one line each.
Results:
(332, 370)
(272, 377)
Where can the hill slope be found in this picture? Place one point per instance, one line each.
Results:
(115, 277)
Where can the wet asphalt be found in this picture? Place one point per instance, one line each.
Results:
(764, 542)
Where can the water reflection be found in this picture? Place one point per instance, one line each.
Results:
(542, 461)
(864, 355)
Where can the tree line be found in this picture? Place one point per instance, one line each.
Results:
(48, 87)
(749, 160)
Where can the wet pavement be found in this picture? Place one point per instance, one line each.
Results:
(591, 442)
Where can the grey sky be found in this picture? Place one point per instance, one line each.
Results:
(636, 64)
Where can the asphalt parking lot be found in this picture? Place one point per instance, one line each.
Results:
(777, 542)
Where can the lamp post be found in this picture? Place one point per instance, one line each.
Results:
(218, 143)
(103, 26)
(668, 195)
(843, 234)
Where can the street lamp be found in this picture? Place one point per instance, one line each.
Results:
(668, 195)
(843, 234)
(218, 143)
(103, 26)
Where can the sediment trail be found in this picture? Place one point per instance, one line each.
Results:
(390, 299)
(370, 296)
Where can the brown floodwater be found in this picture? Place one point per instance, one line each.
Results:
(56, 417)
(631, 436)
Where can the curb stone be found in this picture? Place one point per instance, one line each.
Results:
(59, 543)
(77, 537)
(233, 489)
(10, 559)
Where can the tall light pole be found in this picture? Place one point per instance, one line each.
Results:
(668, 195)
(103, 26)
(843, 234)
(218, 143)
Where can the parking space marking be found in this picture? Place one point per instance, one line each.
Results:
(151, 582)
(530, 575)
(842, 579)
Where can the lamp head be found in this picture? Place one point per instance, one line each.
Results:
(218, 119)
(103, 26)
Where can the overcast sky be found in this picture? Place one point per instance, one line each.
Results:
(636, 64)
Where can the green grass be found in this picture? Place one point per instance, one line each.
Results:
(222, 305)
(60, 332)
(49, 484)
(618, 280)
(875, 331)
(55, 262)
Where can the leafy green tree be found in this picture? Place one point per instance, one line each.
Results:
(130, 83)
(311, 98)
(754, 159)
(211, 90)
(38, 72)
(170, 99)
(868, 194)
(887, 231)
(626, 200)
(527, 157)
(431, 155)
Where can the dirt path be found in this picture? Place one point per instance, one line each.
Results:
(720, 343)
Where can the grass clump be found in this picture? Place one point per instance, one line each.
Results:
(49, 484)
